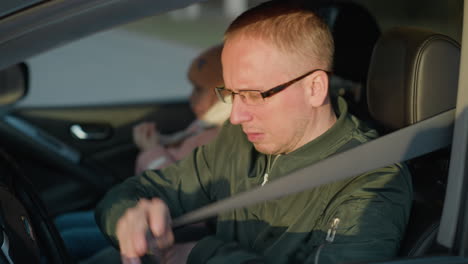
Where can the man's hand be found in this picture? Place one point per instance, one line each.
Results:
(132, 226)
(145, 135)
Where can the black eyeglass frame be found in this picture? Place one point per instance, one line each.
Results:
(272, 91)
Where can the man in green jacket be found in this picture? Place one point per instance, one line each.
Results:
(272, 132)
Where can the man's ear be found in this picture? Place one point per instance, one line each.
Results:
(317, 82)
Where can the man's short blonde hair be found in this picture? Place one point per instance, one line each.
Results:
(291, 28)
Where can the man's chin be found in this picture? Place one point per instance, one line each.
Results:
(262, 148)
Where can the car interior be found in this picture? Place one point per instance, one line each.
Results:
(392, 77)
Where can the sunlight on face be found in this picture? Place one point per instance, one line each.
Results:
(283, 122)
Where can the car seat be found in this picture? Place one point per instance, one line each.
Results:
(413, 75)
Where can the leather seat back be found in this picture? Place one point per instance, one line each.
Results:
(413, 75)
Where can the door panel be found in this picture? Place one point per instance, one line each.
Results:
(67, 184)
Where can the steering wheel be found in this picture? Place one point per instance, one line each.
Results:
(27, 233)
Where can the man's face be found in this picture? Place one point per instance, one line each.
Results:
(284, 121)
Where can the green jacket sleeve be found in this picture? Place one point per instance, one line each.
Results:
(184, 186)
(372, 219)
(375, 240)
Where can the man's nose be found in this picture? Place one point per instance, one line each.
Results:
(239, 113)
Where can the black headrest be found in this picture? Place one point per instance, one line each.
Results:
(413, 75)
(355, 32)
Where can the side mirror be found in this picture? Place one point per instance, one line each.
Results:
(13, 84)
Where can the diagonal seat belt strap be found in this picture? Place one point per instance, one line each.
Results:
(407, 143)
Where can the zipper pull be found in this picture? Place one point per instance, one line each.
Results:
(332, 231)
(265, 179)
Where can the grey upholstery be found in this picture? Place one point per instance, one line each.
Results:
(413, 75)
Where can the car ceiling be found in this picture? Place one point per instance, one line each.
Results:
(33, 27)
(10, 6)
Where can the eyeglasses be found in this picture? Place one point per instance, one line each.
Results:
(256, 97)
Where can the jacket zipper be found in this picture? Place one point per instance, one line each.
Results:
(328, 239)
(269, 168)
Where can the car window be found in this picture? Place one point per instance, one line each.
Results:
(143, 61)
(146, 60)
